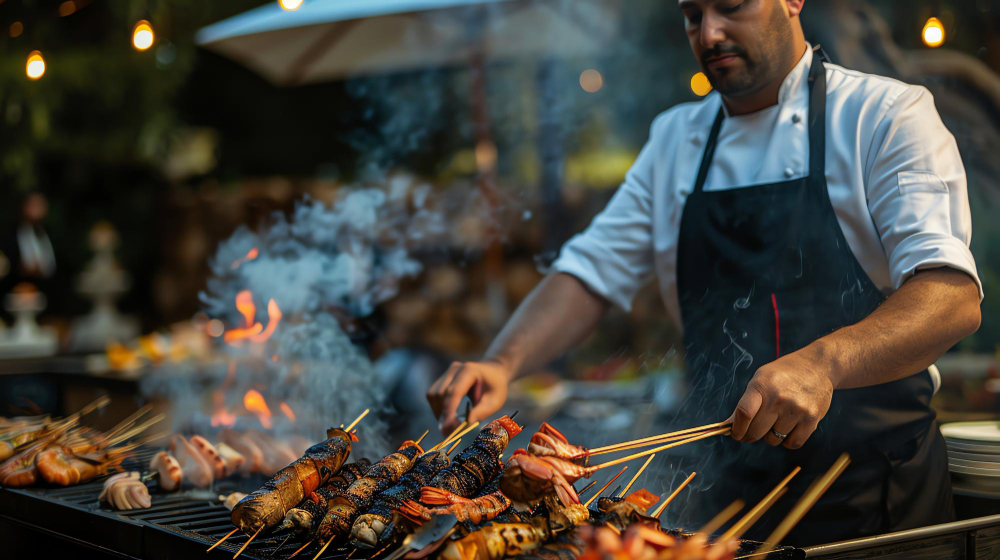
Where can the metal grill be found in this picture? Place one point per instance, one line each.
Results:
(187, 523)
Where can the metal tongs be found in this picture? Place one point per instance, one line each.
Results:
(436, 530)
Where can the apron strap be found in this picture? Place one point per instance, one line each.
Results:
(709, 153)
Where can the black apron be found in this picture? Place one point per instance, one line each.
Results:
(763, 271)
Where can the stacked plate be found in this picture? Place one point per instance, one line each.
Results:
(974, 452)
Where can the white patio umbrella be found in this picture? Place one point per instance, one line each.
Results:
(330, 39)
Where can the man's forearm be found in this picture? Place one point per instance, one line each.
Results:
(557, 315)
(915, 326)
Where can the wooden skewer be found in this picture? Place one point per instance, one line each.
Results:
(808, 500)
(452, 448)
(758, 510)
(130, 420)
(721, 518)
(659, 510)
(587, 487)
(301, 548)
(246, 544)
(275, 551)
(320, 553)
(605, 487)
(636, 477)
(620, 460)
(220, 541)
(356, 420)
(653, 439)
(422, 437)
(353, 552)
(460, 427)
(467, 429)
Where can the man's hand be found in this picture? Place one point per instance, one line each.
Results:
(484, 382)
(789, 395)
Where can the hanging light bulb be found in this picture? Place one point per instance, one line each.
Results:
(290, 4)
(142, 35)
(36, 65)
(933, 33)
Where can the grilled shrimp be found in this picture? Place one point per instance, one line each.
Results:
(475, 510)
(550, 442)
(528, 478)
(59, 465)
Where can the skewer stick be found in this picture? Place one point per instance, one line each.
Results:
(620, 460)
(322, 550)
(452, 448)
(663, 506)
(636, 477)
(460, 427)
(301, 548)
(220, 541)
(654, 439)
(808, 500)
(422, 437)
(246, 544)
(275, 551)
(356, 420)
(587, 487)
(747, 520)
(130, 420)
(721, 518)
(605, 487)
(467, 429)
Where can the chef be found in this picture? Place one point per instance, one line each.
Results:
(808, 227)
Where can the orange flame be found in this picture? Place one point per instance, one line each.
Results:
(254, 402)
(246, 307)
(235, 336)
(273, 318)
(221, 417)
(287, 410)
(251, 255)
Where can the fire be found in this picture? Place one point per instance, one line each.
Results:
(246, 307)
(251, 255)
(254, 402)
(252, 329)
(273, 318)
(287, 410)
(221, 417)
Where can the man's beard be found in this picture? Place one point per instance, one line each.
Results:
(756, 73)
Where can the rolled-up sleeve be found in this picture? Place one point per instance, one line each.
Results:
(917, 191)
(613, 257)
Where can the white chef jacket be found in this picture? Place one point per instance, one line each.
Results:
(893, 171)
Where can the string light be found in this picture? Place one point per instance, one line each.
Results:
(142, 35)
(591, 81)
(35, 68)
(290, 4)
(933, 33)
(700, 84)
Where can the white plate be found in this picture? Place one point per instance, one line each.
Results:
(966, 456)
(972, 431)
(985, 447)
(986, 465)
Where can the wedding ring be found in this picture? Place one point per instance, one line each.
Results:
(778, 434)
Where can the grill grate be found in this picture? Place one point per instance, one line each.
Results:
(177, 524)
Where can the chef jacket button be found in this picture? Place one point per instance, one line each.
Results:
(695, 139)
(789, 172)
(796, 118)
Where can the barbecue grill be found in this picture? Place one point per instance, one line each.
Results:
(71, 521)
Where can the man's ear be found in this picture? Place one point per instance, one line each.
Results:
(794, 7)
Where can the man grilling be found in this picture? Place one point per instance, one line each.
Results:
(808, 226)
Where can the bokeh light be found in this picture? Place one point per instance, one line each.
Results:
(591, 81)
(933, 34)
(35, 68)
(142, 35)
(700, 84)
(16, 29)
(290, 4)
